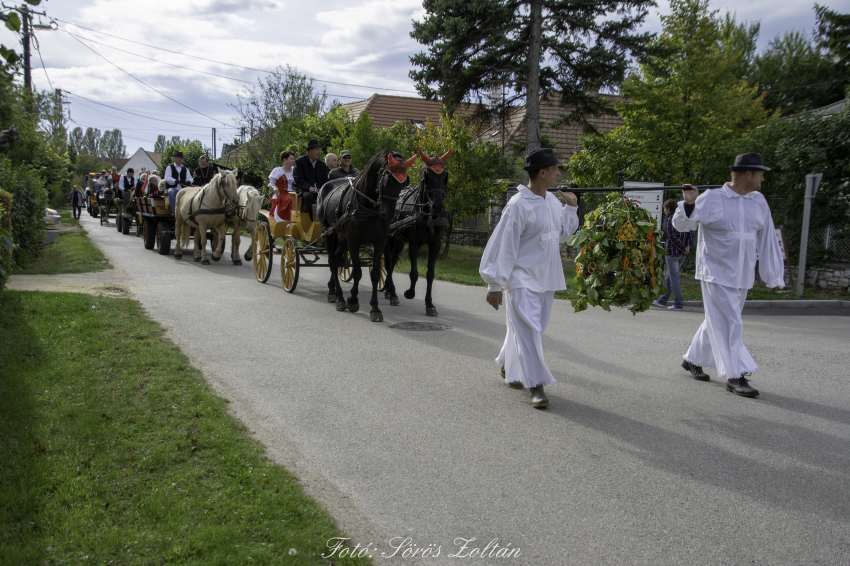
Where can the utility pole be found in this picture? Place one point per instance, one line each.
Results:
(213, 144)
(532, 107)
(25, 39)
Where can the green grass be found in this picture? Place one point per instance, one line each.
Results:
(462, 267)
(113, 450)
(71, 252)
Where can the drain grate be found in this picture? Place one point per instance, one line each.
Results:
(420, 326)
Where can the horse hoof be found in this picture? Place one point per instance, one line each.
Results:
(237, 262)
(409, 294)
(394, 301)
(216, 258)
(376, 316)
(387, 295)
(341, 306)
(205, 262)
(430, 311)
(247, 256)
(353, 307)
(178, 256)
(198, 259)
(331, 298)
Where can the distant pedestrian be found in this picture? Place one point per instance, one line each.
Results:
(735, 226)
(76, 199)
(677, 245)
(522, 261)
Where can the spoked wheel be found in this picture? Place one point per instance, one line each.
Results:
(263, 252)
(163, 238)
(382, 280)
(149, 233)
(289, 265)
(344, 270)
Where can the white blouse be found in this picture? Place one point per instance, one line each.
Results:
(734, 231)
(524, 250)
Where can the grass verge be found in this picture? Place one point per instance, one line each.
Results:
(462, 267)
(113, 450)
(72, 252)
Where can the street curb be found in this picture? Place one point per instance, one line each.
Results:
(801, 304)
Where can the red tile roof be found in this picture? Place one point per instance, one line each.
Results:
(385, 110)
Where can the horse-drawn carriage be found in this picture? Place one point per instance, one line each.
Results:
(106, 206)
(294, 255)
(126, 212)
(157, 223)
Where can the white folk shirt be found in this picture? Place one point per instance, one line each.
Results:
(734, 231)
(524, 250)
(169, 178)
(276, 174)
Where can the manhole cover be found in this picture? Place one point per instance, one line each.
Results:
(420, 326)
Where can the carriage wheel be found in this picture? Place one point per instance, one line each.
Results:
(263, 252)
(289, 265)
(125, 225)
(149, 233)
(163, 238)
(382, 280)
(344, 271)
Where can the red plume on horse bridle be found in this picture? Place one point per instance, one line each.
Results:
(399, 168)
(437, 165)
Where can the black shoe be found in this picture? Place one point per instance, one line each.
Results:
(741, 387)
(696, 371)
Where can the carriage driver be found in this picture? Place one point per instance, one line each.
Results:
(128, 182)
(177, 176)
(309, 174)
(205, 173)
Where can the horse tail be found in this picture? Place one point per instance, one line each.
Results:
(252, 200)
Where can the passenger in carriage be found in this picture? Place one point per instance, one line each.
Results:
(309, 175)
(281, 181)
(101, 183)
(177, 176)
(114, 180)
(345, 169)
(128, 182)
(205, 173)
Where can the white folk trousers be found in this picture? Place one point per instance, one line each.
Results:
(719, 341)
(522, 353)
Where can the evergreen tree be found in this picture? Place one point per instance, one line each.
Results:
(91, 142)
(112, 144)
(565, 49)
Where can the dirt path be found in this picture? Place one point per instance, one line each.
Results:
(108, 283)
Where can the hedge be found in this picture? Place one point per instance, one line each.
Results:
(29, 199)
(6, 245)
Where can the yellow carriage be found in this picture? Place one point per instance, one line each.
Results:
(292, 255)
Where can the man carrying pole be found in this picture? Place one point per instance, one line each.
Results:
(735, 229)
(523, 257)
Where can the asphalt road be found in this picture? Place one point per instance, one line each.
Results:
(414, 436)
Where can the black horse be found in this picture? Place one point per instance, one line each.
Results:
(362, 210)
(427, 201)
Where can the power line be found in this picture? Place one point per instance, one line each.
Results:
(38, 49)
(230, 64)
(806, 86)
(142, 115)
(137, 123)
(140, 80)
(187, 68)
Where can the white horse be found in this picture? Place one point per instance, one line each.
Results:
(204, 209)
(250, 201)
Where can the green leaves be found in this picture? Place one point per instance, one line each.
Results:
(13, 21)
(9, 55)
(577, 239)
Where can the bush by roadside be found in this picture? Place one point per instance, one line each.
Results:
(6, 243)
(29, 199)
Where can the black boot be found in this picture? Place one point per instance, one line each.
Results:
(696, 371)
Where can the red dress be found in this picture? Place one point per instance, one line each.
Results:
(283, 202)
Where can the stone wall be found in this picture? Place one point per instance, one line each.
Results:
(834, 276)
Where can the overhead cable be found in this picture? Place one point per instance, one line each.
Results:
(231, 64)
(140, 80)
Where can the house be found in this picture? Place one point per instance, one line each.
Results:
(385, 110)
(142, 161)
(566, 140)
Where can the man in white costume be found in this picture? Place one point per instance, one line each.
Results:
(735, 229)
(177, 177)
(523, 258)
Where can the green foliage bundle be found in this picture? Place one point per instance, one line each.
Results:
(621, 260)
(29, 199)
(7, 246)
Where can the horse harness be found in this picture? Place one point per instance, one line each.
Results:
(229, 209)
(420, 217)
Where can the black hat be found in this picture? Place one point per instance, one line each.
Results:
(344, 153)
(540, 159)
(313, 143)
(178, 154)
(749, 162)
(130, 170)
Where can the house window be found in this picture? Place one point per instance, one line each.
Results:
(418, 123)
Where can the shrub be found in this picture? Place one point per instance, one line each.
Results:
(29, 199)
(6, 244)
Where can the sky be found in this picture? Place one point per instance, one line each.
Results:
(365, 44)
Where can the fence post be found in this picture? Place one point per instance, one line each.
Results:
(812, 183)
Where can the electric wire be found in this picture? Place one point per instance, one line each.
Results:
(148, 117)
(38, 49)
(186, 68)
(230, 64)
(806, 86)
(140, 80)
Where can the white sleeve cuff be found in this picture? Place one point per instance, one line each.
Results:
(493, 288)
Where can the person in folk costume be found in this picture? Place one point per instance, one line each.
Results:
(177, 176)
(281, 181)
(523, 258)
(735, 229)
(128, 183)
(101, 183)
(114, 181)
(345, 169)
(205, 172)
(309, 175)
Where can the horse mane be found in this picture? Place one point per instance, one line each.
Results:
(253, 200)
(370, 170)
